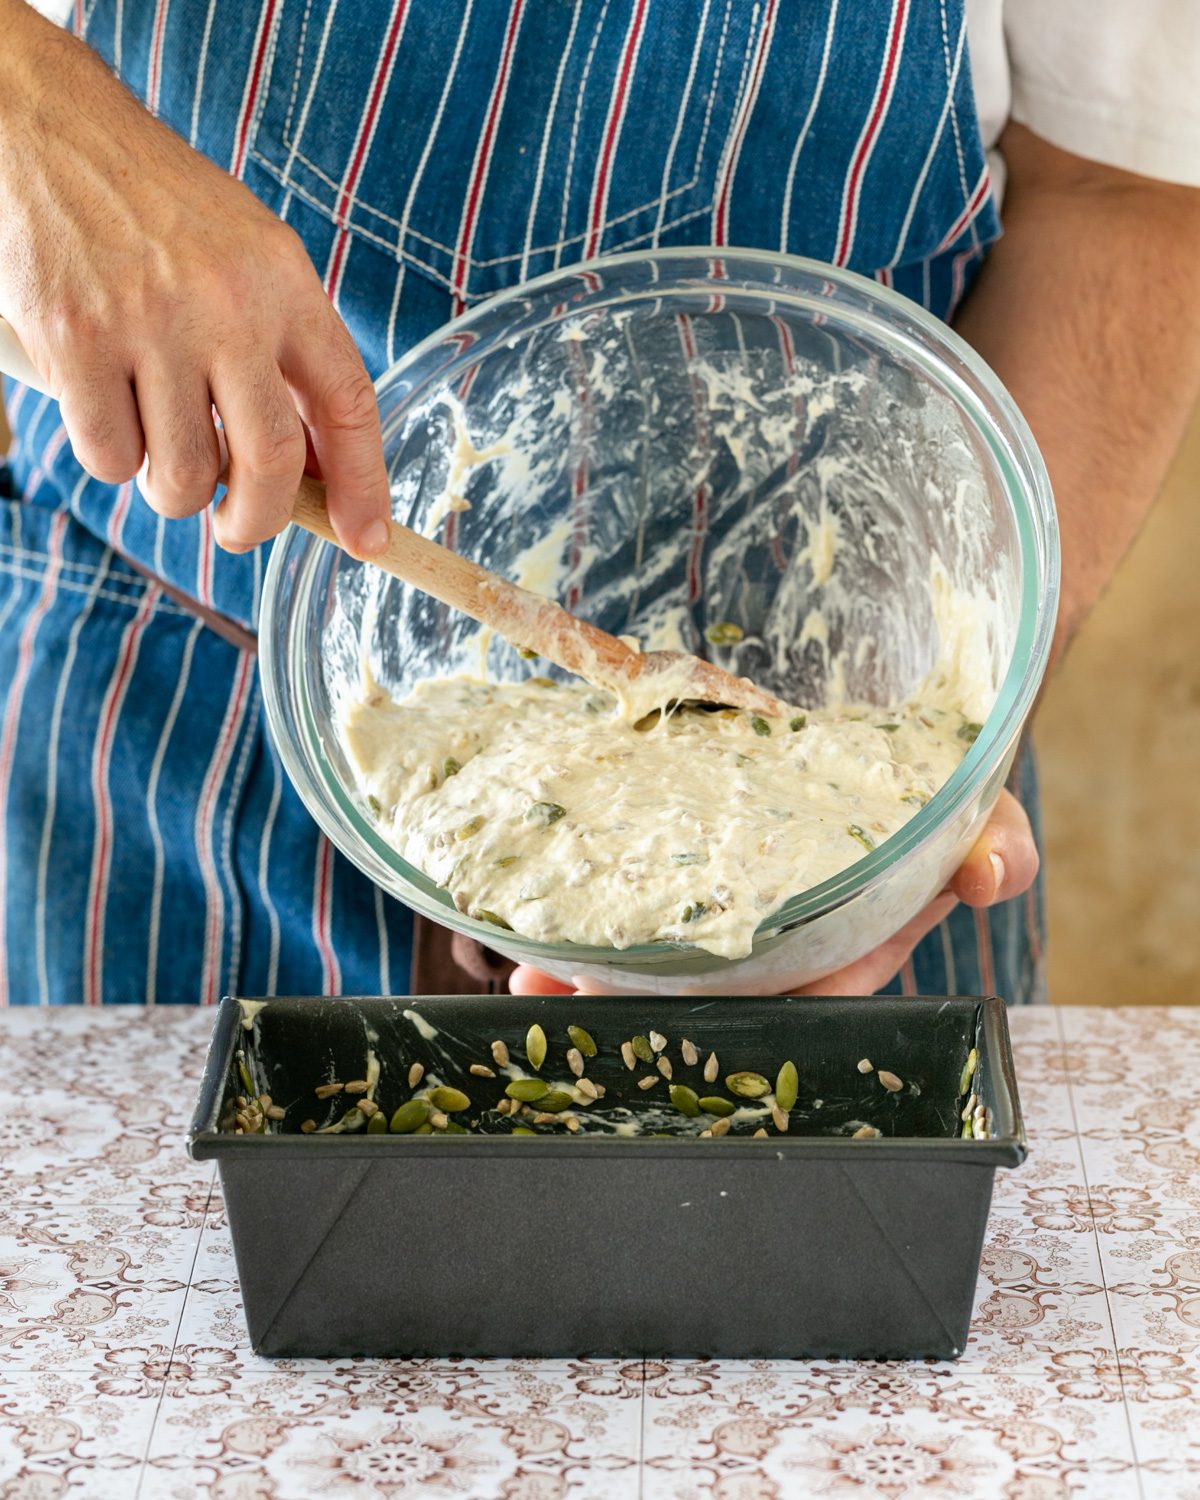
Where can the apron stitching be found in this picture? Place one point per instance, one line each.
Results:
(574, 140)
(419, 173)
(296, 72)
(742, 118)
(614, 124)
(264, 863)
(236, 896)
(547, 128)
(785, 217)
(680, 116)
(739, 100)
(951, 85)
(56, 717)
(102, 802)
(156, 765)
(14, 700)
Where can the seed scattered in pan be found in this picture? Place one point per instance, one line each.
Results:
(648, 1082)
(327, 1090)
(545, 1118)
(889, 1081)
(439, 1119)
(535, 1046)
(657, 1041)
(502, 1106)
(967, 1131)
(684, 1099)
(747, 1085)
(499, 1054)
(410, 1115)
(583, 1040)
(448, 1099)
(690, 1056)
(865, 1133)
(554, 1102)
(522, 1130)
(969, 1108)
(787, 1086)
(377, 1124)
(587, 1088)
(415, 1074)
(704, 1134)
(244, 1075)
(980, 1113)
(307, 1127)
(628, 1056)
(664, 1067)
(713, 1104)
(760, 1134)
(718, 1127)
(426, 1129)
(711, 1068)
(357, 1086)
(368, 1107)
(571, 1122)
(864, 1065)
(642, 1048)
(526, 1089)
(780, 1117)
(276, 1112)
(575, 1061)
(968, 1071)
(265, 1100)
(481, 1070)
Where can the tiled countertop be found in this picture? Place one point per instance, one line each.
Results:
(124, 1368)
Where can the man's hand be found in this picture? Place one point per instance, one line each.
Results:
(149, 287)
(1002, 863)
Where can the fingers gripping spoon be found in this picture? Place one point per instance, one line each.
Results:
(641, 681)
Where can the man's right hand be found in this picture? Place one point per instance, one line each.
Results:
(149, 287)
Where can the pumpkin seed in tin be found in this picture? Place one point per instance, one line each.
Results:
(787, 1087)
(535, 1046)
(747, 1085)
(582, 1040)
(409, 1117)
(377, 1124)
(527, 1089)
(448, 1099)
(554, 1102)
(642, 1048)
(713, 1104)
(684, 1099)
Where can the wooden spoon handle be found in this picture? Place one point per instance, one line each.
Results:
(522, 618)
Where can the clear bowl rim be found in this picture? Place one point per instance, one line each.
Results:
(1007, 435)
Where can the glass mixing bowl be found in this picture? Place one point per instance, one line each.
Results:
(665, 441)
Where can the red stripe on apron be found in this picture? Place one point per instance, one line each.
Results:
(12, 715)
(110, 712)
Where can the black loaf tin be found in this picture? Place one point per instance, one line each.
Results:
(809, 1244)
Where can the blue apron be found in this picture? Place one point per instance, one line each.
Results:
(428, 153)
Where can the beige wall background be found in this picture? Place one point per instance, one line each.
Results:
(1118, 736)
(1119, 741)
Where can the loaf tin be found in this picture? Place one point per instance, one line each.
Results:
(810, 1243)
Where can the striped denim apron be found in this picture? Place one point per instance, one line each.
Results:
(429, 153)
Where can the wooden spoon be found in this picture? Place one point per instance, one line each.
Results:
(642, 681)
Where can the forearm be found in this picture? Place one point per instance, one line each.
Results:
(1089, 310)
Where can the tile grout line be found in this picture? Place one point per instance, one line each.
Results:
(1087, 1187)
(212, 1182)
(641, 1449)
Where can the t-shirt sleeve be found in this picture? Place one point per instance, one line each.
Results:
(1115, 81)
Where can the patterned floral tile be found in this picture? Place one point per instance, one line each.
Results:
(80, 1283)
(437, 1431)
(64, 1432)
(770, 1433)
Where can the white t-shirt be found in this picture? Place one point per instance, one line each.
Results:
(1116, 81)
